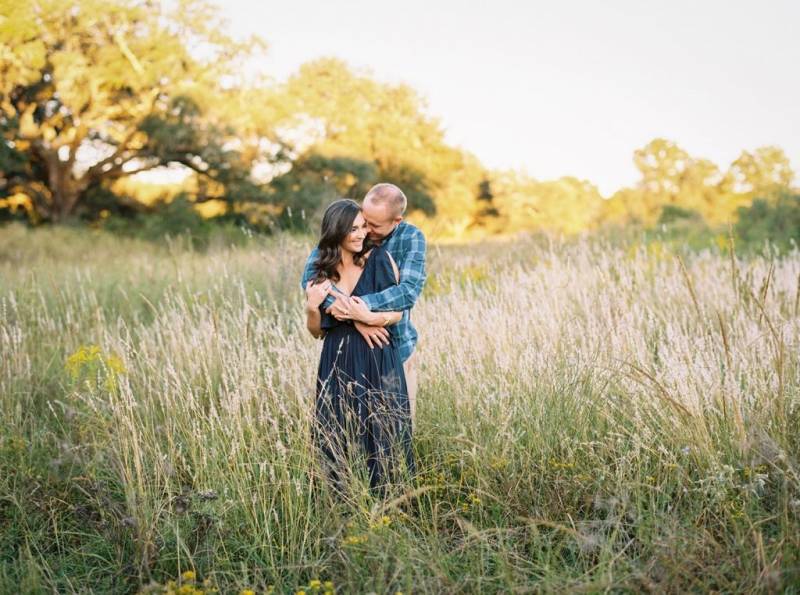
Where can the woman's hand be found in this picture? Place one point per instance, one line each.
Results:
(316, 293)
(359, 310)
(351, 308)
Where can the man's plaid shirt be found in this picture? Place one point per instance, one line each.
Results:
(407, 246)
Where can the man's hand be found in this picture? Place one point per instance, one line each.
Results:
(375, 336)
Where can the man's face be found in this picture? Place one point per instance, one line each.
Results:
(380, 220)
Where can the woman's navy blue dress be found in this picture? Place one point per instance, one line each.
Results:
(362, 407)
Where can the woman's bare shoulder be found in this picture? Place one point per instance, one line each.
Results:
(394, 265)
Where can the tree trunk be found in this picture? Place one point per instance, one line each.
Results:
(65, 189)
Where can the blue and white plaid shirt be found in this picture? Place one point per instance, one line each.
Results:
(407, 246)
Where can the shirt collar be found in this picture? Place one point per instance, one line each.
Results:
(391, 233)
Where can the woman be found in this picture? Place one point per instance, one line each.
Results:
(362, 406)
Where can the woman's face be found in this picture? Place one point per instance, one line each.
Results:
(354, 241)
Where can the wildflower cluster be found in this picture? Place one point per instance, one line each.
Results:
(384, 521)
(186, 584)
(88, 363)
(556, 464)
(498, 463)
(268, 591)
(355, 539)
(750, 472)
(436, 480)
(14, 444)
(472, 502)
(316, 586)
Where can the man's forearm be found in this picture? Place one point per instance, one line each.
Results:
(397, 298)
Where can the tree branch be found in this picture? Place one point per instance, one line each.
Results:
(95, 172)
(117, 171)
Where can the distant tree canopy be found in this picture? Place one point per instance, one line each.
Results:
(93, 94)
(367, 131)
(776, 221)
(95, 91)
(670, 177)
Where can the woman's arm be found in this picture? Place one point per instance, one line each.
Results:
(315, 294)
(313, 321)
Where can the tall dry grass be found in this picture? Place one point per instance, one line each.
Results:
(590, 417)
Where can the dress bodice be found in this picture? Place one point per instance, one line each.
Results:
(377, 275)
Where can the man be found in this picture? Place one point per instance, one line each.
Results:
(383, 209)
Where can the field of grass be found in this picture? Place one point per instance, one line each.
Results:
(590, 417)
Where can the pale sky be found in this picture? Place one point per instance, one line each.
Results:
(564, 87)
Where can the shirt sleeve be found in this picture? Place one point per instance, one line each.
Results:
(308, 273)
(412, 279)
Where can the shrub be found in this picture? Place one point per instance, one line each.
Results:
(776, 221)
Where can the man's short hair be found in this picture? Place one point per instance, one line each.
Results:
(385, 193)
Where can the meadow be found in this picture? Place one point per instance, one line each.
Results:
(592, 415)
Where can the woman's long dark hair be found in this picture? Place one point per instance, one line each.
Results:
(337, 223)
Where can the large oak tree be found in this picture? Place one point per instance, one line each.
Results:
(92, 91)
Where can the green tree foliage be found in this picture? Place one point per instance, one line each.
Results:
(567, 205)
(670, 177)
(487, 211)
(94, 91)
(314, 181)
(377, 132)
(763, 173)
(775, 220)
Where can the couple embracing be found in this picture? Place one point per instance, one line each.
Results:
(361, 282)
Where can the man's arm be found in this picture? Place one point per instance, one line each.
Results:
(412, 279)
(308, 273)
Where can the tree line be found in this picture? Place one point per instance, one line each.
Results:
(94, 93)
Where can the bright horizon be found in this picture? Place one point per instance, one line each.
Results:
(569, 88)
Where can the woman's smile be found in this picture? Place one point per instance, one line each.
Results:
(358, 233)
